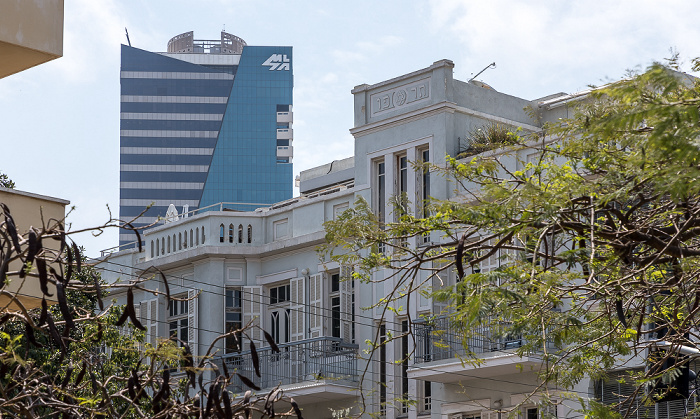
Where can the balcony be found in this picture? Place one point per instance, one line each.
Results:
(285, 151)
(440, 346)
(285, 117)
(285, 133)
(322, 367)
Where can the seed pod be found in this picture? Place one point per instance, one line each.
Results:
(247, 382)
(255, 358)
(271, 341)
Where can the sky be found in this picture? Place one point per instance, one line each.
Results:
(60, 120)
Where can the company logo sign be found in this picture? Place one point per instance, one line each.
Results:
(277, 62)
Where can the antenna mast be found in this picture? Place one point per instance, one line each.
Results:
(127, 36)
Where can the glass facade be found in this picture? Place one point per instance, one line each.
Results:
(199, 134)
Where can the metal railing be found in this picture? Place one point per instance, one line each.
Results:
(439, 339)
(324, 358)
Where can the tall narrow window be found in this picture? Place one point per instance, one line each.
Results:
(174, 242)
(177, 319)
(404, 366)
(233, 318)
(221, 233)
(202, 234)
(168, 244)
(335, 305)
(196, 235)
(250, 234)
(382, 369)
(184, 241)
(191, 238)
(162, 245)
(157, 248)
(230, 233)
(240, 233)
(402, 192)
(381, 191)
(380, 206)
(425, 183)
(179, 241)
(152, 249)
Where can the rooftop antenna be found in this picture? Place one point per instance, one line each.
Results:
(224, 30)
(127, 36)
(492, 65)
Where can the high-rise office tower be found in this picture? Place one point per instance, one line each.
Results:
(208, 121)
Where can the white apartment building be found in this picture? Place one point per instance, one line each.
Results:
(262, 267)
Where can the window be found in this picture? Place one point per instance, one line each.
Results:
(335, 305)
(157, 248)
(381, 191)
(402, 184)
(177, 318)
(196, 235)
(279, 294)
(250, 234)
(404, 366)
(425, 190)
(162, 245)
(380, 201)
(240, 233)
(233, 317)
(426, 397)
(191, 238)
(382, 369)
(221, 233)
(230, 233)
(179, 240)
(531, 413)
(202, 234)
(280, 313)
(168, 244)
(152, 249)
(184, 241)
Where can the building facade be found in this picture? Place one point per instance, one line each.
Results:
(204, 123)
(262, 268)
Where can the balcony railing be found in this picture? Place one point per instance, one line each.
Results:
(440, 339)
(308, 360)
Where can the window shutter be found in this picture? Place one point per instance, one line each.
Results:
(316, 315)
(147, 313)
(252, 312)
(193, 322)
(296, 286)
(152, 327)
(346, 291)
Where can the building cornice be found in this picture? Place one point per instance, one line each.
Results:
(434, 109)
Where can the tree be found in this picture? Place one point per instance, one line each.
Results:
(85, 357)
(598, 238)
(6, 182)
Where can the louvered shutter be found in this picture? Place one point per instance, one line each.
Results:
(193, 322)
(316, 316)
(252, 312)
(152, 322)
(297, 314)
(147, 313)
(346, 292)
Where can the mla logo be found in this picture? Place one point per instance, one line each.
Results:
(277, 62)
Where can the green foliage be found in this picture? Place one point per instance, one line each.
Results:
(603, 224)
(6, 182)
